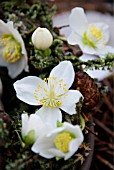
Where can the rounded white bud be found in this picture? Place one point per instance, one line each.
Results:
(42, 38)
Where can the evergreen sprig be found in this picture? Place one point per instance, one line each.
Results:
(106, 62)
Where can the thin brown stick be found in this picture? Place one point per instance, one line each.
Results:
(110, 152)
(104, 127)
(94, 133)
(100, 142)
(107, 163)
(108, 103)
(105, 115)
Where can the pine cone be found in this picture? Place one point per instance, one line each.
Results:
(86, 85)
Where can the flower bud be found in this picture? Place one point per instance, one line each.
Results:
(42, 38)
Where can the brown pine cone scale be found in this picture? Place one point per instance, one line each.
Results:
(87, 86)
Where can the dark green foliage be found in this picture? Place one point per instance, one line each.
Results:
(106, 62)
(44, 61)
(27, 16)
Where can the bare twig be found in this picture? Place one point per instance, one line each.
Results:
(104, 127)
(107, 163)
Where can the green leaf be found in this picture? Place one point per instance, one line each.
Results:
(82, 122)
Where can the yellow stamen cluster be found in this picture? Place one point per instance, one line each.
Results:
(10, 48)
(62, 141)
(97, 33)
(48, 96)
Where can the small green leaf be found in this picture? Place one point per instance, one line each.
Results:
(82, 122)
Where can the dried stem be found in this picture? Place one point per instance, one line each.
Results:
(107, 163)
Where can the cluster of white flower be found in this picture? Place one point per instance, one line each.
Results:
(42, 127)
(44, 130)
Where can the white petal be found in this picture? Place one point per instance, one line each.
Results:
(26, 87)
(99, 74)
(50, 115)
(109, 49)
(17, 36)
(78, 133)
(69, 101)
(55, 130)
(56, 152)
(42, 146)
(3, 63)
(74, 145)
(78, 21)
(88, 50)
(70, 128)
(24, 118)
(86, 57)
(64, 71)
(14, 69)
(101, 49)
(35, 123)
(74, 38)
(3, 28)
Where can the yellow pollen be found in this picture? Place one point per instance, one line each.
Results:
(62, 141)
(49, 96)
(10, 48)
(97, 33)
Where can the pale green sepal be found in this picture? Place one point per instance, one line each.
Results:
(59, 124)
(29, 139)
(47, 52)
(82, 122)
(58, 158)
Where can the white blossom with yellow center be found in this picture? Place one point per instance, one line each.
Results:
(52, 93)
(13, 54)
(91, 37)
(61, 142)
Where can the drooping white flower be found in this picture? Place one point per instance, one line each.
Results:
(32, 127)
(42, 38)
(91, 37)
(13, 54)
(61, 142)
(52, 93)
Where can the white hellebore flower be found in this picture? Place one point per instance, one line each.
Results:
(13, 54)
(42, 38)
(91, 37)
(32, 127)
(51, 93)
(61, 142)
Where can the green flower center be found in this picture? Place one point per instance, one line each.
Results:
(87, 41)
(93, 36)
(10, 48)
(62, 141)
